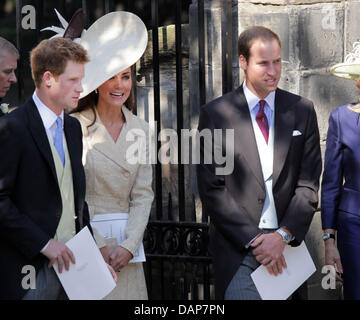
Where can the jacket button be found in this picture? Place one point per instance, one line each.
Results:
(260, 201)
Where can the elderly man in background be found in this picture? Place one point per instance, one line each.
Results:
(8, 64)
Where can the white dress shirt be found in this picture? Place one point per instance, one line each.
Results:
(266, 153)
(48, 117)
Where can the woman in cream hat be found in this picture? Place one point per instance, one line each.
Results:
(115, 185)
(340, 199)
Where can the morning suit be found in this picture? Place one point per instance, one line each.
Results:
(30, 197)
(235, 202)
(340, 193)
(116, 185)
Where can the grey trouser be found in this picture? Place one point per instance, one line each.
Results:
(241, 286)
(48, 286)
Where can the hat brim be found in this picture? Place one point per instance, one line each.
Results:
(114, 42)
(349, 71)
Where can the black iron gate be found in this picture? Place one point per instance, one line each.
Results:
(178, 264)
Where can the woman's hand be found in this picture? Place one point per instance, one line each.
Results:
(105, 252)
(120, 257)
(332, 257)
(113, 273)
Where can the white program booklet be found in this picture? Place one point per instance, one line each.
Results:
(113, 225)
(89, 278)
(300, 267)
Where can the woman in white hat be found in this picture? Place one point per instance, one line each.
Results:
(115, 185)
(340, 198)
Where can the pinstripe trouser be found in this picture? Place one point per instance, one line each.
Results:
(241, 286)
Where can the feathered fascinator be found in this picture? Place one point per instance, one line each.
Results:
(73, 29)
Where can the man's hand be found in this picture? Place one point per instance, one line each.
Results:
(60, 253)
(275, 267)
(120, 257)
(268, 250)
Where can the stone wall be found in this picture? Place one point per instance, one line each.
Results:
(315, 35)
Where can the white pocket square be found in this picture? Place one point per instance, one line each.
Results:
(296, 133)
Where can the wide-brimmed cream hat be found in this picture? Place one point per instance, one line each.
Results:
(114, 42)
(350, 68)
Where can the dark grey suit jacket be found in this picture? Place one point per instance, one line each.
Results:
(234, 202)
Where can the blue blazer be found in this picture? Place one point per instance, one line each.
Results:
(341, 178)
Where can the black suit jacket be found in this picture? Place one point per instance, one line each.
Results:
(30, 199)
(234, 202)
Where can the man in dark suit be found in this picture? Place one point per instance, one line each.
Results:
(42, 180)
(8, 64)
(269, 198)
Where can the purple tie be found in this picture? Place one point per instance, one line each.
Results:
(262, 120)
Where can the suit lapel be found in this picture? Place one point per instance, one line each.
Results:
(284, 126)
(73, 149)
(70, 141)
(99, 139)
(245, 141)
(37, 130)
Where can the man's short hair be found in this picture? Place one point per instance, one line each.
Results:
(52, 55)
(8, 47)
(248, 36)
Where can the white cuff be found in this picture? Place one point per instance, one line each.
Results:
(252, 240)
(43, 249)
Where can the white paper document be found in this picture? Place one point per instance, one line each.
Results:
(89, 278)
(113, 225)
(300, 267)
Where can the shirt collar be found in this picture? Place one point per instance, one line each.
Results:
(253, 100)
(48, 117)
